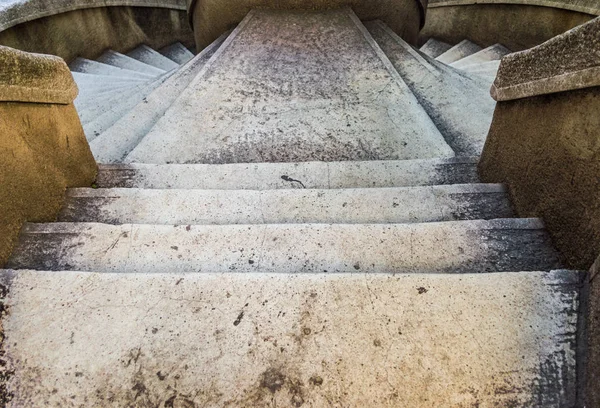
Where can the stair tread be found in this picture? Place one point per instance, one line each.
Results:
(461, 50)
(177, 52)
(492, 53)
(235, 335)
(149, 56)
(314, 114)
(262, 176)
(87, 66)
(440, 247)
(461, 108)
(123, 61)
(434, 48)
(122, 137)
(343, 206)
(111, 114)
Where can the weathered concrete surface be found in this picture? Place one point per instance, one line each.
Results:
(461, 50)
(583, 6)
(86, 66)
(14, 12)
(546, 150)
(460, 106)
(264, 176)
(447, 247)
(491, 53)
(435, 48)
(84, 339)
(211, 18)
(265, 96)
(151, 57)
(518, 27)
(592, 359)
(177, 52)
(117, 59)
(340, 206)
(114, 143)
(567, 62)
(34, 78)
(42, 146)
(88, 32)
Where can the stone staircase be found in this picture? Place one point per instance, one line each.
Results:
(290, 218)
(467, 56)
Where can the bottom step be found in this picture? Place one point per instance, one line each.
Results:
(251, 340)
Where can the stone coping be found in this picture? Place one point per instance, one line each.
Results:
(582, 6)
(35, 78)
(13, 12)
(567, 62)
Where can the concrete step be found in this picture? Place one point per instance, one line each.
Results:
(486, 68)
(123, 61)
(459, 51)
(434, 48)
(177, 52)
(334, 206)
(87, 66)
(95, 83)
(448, 247)
(124, 135)
(92, 108)
(151, 57)
(121, 107)
(462, 109)
(492, 53)
(313, 175)
(267, 98)
(254, 340)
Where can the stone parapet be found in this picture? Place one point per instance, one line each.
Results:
(567, 62)
(43, 149)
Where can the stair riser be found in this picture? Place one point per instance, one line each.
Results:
(453, 247)
(284, 206)
(313, 175)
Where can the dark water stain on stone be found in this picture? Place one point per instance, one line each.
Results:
(239, 319)
(273, 380)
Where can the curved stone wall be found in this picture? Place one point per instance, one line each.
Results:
(517, 24)
(211, 18)
(86, 28)
(13, 12)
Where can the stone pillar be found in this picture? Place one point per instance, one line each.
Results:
(211, 18)
(43, 149)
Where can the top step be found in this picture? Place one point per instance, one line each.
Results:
(177, 52)
(434, 48)
(459, 51)
(265, 97)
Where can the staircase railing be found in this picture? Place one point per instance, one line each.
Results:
(43, 149)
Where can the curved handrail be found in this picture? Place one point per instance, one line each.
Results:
(14, 12)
